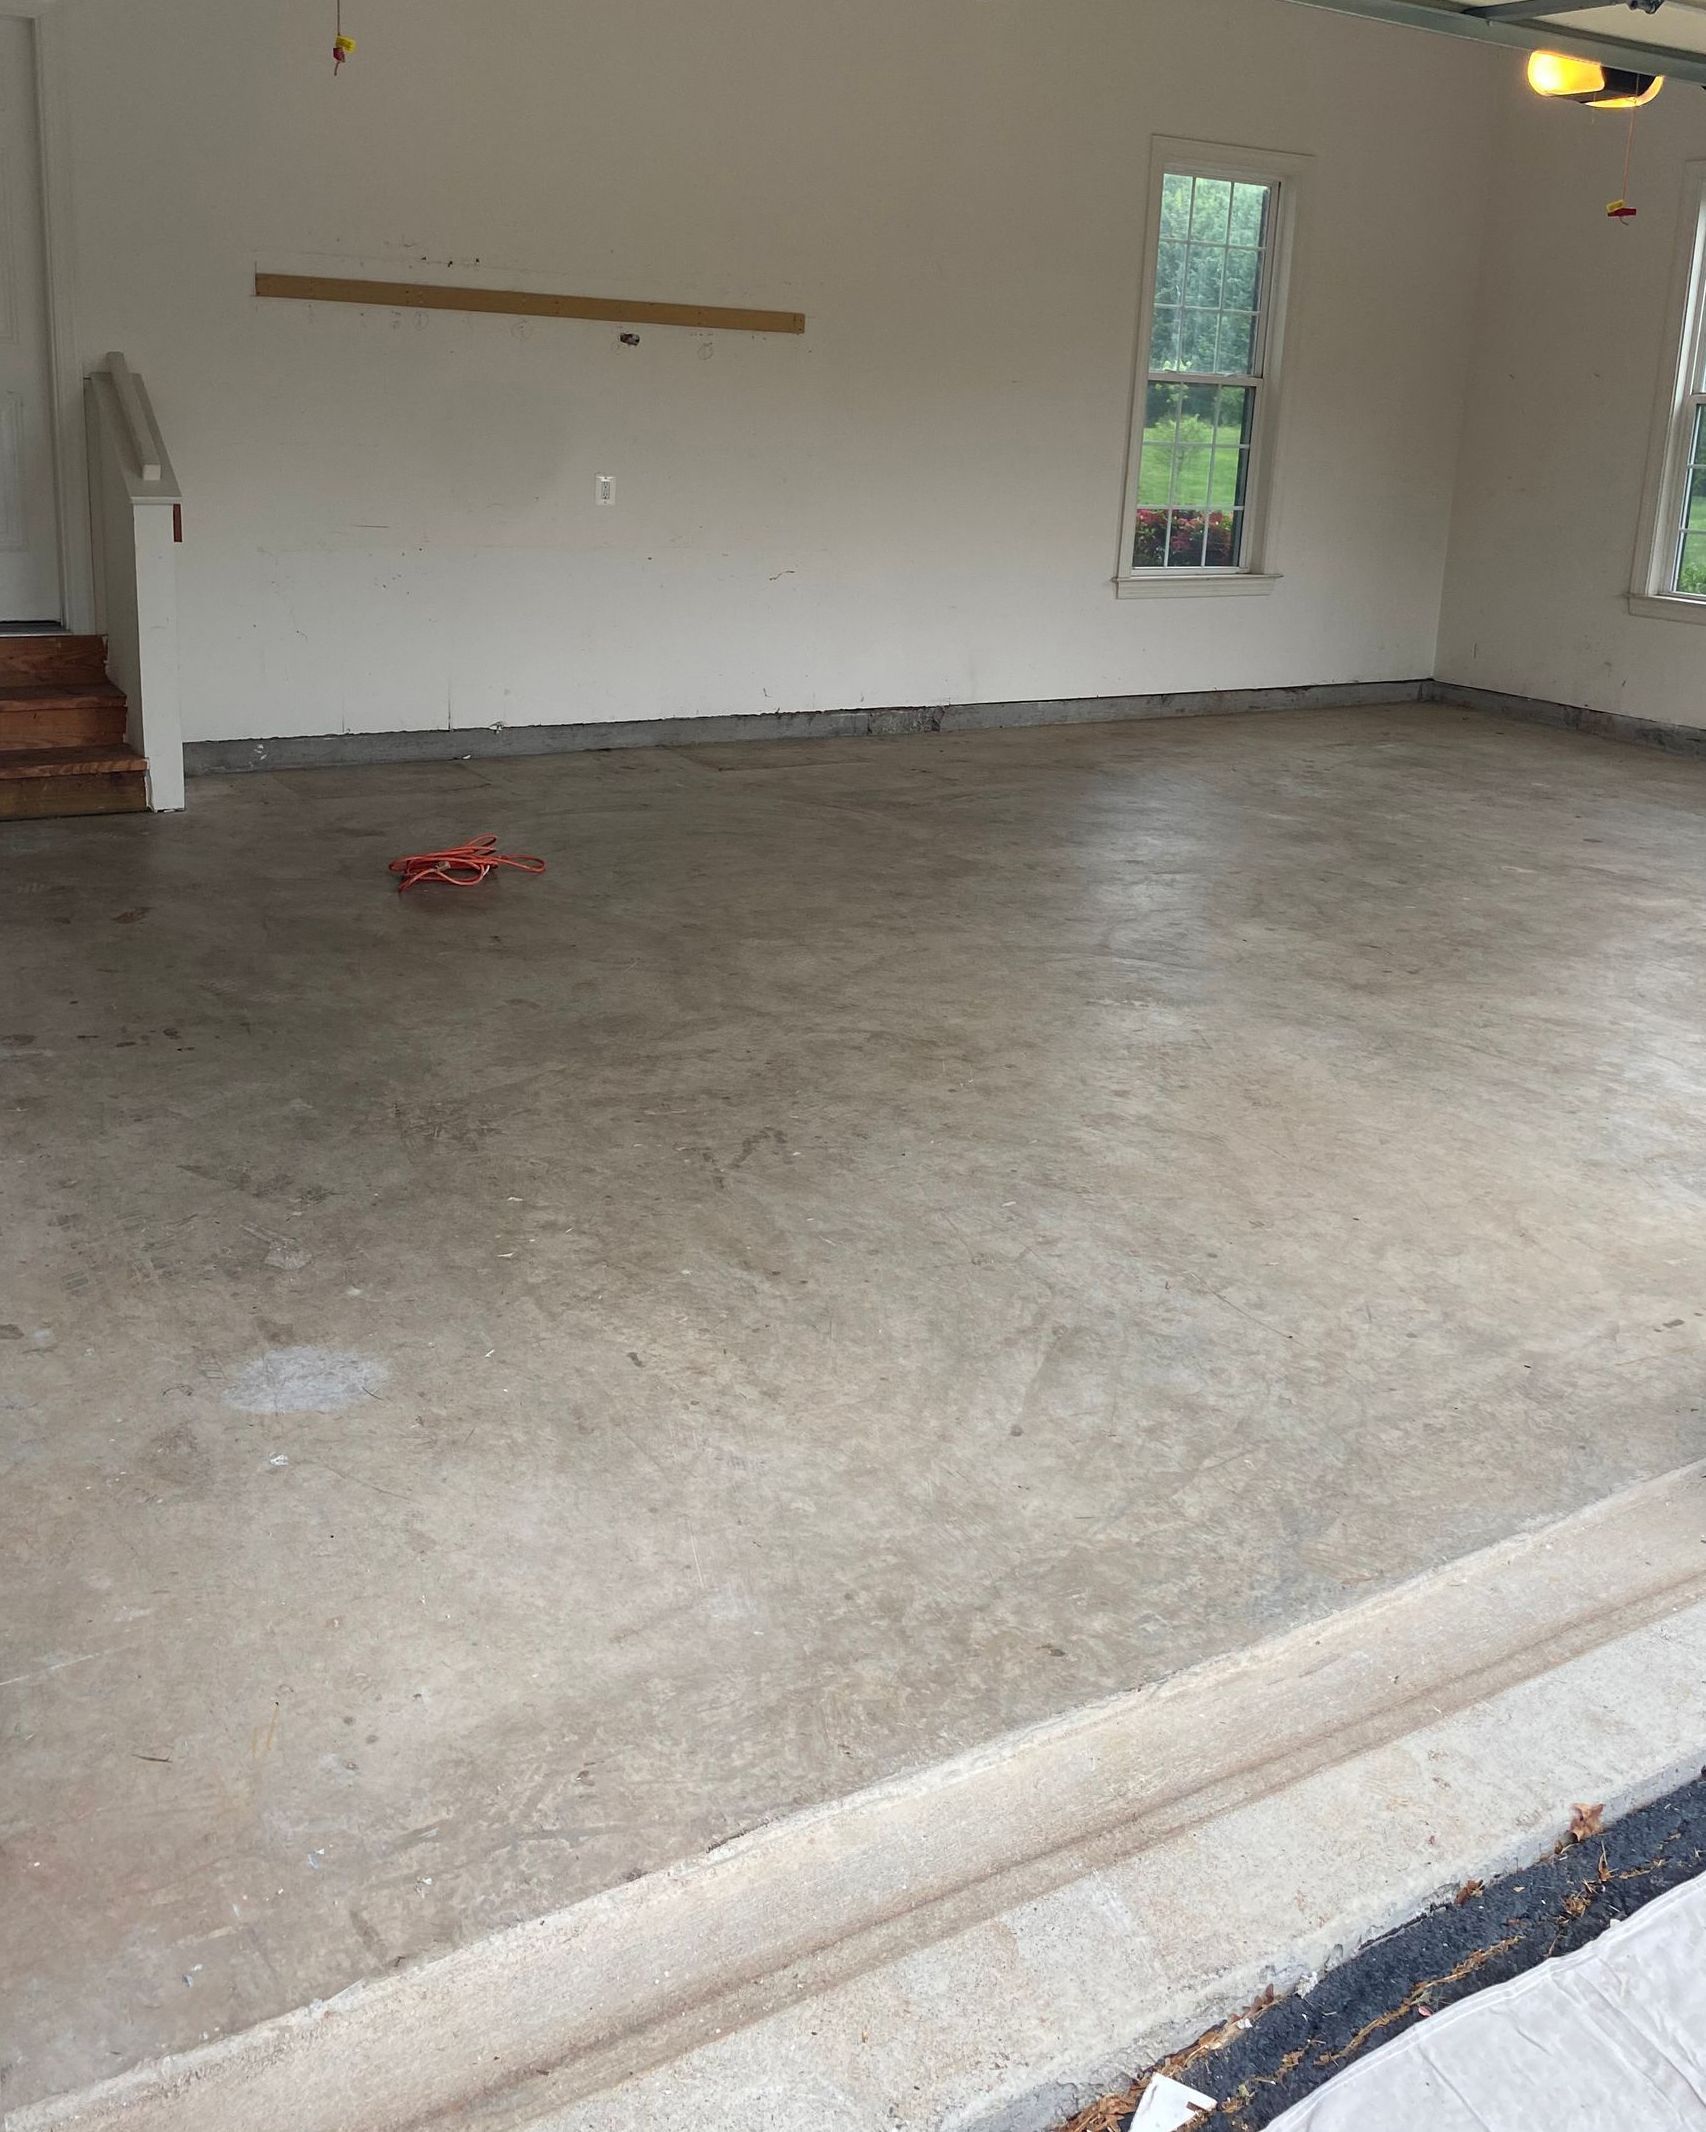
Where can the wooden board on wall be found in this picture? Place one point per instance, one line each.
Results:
(523, 303)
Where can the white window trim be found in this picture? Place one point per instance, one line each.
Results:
(1288, 174)
(1181, 584)
(1684, 359)
(71, 472)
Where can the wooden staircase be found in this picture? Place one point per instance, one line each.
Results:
(62, 726)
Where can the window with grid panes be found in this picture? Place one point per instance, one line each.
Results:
(1688, 538)
(1679, 551)
(1212, 275)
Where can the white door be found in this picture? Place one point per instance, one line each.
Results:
(29, 523)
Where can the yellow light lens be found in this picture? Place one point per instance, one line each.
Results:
(1583, 81)
(1628, 103)
(1556, 74)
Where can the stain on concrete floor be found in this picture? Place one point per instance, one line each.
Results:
(885, 1242)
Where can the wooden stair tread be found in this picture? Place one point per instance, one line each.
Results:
(63, 715)
(68, 762)
(63, 750)
(97, 684)
(50, 695)
(56, 657)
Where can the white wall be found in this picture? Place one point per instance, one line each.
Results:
(1570, 351)
(390, 518)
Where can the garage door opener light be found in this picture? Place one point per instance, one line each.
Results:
(1585, 81)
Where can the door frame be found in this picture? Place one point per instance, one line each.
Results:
(65, 368)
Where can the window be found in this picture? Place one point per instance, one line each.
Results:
(1672, 567)
(1218, 248)
(1688, 529)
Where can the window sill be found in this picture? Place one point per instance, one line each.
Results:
(1668, 606)
(1174, 584)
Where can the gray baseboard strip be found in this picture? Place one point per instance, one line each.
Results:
(326, 751)
(1573, 717)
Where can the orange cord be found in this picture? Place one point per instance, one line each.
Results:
(462, 865)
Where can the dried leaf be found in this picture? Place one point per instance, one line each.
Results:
(1468, 1892)
(1586, 1821)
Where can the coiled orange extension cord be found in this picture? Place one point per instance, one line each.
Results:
(462, 865)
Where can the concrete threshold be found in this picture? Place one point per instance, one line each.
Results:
(989, 1942)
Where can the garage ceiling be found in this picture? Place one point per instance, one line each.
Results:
(1669, 40)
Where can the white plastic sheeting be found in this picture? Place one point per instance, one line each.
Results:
(1612, 2039)
(1168, 2106)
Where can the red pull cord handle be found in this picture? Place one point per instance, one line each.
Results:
(461, 865)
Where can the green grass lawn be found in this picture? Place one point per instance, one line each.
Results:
(1196, 440)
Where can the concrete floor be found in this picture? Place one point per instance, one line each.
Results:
(886, 1241)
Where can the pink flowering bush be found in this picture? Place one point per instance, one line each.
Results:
(1183, 546)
